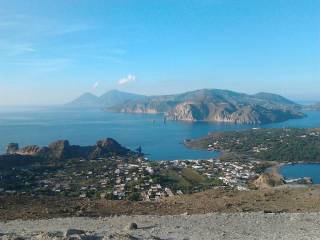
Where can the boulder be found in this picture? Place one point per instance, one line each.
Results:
(132, 226)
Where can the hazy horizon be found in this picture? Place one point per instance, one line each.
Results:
(54, 51)
(31, 106)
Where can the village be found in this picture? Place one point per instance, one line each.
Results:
(231, 174)
(118, 178)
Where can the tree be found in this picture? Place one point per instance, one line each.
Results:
(135, 196)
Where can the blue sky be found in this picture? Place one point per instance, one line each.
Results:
(52, 51)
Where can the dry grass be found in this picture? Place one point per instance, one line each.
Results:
(272, 200)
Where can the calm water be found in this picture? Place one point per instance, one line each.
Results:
(301, 170)
(159, 140)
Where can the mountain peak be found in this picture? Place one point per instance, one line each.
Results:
(108, 99)
(86, 100)
(88, 94)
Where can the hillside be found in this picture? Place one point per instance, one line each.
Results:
(216, 214)
(279, 144)
(110, 98)
(276, 200)
(217, 106)
(274, 97)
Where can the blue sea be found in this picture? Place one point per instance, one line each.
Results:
(300, 170)
(159, 140)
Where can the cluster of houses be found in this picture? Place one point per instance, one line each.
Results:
(236, 174)
(138, 178)
(118, 178)
(232, 174)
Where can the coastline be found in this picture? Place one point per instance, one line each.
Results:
(306, 180)
(275, 168)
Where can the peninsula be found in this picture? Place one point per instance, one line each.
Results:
(282, 145)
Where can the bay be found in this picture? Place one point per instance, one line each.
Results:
(159, 140)
(301, 170)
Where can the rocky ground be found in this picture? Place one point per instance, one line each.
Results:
(206, 226)
(275, 213)
(273, 200)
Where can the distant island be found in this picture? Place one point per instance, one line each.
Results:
(216, 105)
(110, 98)
(211, 105)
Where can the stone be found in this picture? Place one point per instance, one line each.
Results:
(132, 226)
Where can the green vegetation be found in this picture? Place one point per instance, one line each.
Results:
(286, 145)
(172, 178)
(134, 196)
(193, 176)
(187, 179)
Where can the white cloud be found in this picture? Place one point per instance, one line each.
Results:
(127, 79)
(95, 85)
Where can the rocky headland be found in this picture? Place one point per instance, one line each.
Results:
(60, 150)
(217, 106)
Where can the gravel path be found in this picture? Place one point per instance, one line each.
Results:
(207, 226)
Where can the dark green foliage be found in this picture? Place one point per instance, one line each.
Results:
(289, 145)
(187, 180)
(135, 196)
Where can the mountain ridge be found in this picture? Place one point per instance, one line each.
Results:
(108, 99)
(216, 105)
